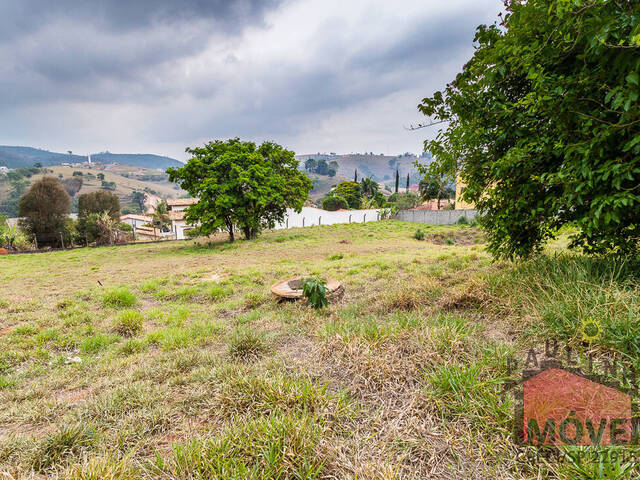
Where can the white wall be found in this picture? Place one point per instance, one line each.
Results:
(314, 216)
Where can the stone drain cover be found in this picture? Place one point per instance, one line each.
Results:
(291, 288)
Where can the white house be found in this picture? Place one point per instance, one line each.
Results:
(4, 170)
(176, 208)
(135, 220)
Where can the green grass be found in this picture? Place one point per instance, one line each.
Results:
(189, 368)
(119, 298)
(129, 323)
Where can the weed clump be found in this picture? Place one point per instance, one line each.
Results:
(418, 234)
(129, 323)
(120, 297)
(57, 447)
(247, 345)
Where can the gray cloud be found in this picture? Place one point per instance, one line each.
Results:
(158, 75)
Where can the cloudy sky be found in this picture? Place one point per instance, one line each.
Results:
(155, 76)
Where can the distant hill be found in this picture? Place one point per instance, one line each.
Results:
(18, 157)
(382, 168)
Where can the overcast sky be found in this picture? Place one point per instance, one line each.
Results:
(155, 76)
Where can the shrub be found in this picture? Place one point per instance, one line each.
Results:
(129, 323)
(315, 291)
(333, 203)
(119, 298)
(418, 235)
(463, 220)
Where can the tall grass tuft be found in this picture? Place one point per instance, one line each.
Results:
(120, 297)
(563, 292)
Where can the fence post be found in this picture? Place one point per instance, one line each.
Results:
(303, 221)
(62, 240)
(364, 219)
(349, 218)
(287, 222)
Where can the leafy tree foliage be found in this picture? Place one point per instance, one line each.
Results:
(92, 225)
(543, 124)
(241, 185)
(434, 186)
(98, 202)
(72, 185)
(369, 187)
(44, 209)
(350, 191)
(333, 203)
(405, 201)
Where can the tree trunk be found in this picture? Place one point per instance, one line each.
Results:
(230, 230)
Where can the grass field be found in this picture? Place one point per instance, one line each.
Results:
(182, 365)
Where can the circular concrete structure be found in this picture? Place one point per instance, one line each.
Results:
(291, 288)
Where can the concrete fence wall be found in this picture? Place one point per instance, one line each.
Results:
(315, 216)
(435, 217)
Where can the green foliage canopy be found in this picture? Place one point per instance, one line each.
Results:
(241, 184)
(44, 209)
(350, 191)
(543, 125)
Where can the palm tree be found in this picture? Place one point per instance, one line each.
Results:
(369, 187)
(160, 215)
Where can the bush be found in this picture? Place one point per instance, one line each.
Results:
(418, 235)
(119, 298)
(129, 323)
(405, 201)
(463, 221)
(333, 203)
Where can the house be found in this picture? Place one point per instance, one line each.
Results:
(136, 221)
(4, 170)
(176, 208)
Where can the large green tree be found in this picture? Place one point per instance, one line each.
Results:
(44, 210)
(543, 125)
(241, 185)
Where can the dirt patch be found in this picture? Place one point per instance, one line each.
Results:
(464, 301)
(73, 396)
(458, 238)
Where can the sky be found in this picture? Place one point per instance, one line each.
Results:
(157, 76)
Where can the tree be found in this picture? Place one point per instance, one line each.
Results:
(310, 165)
(44, 209)
(100, 176)
(98, 202)
(369, 187)
(241, 184)
(407, 189)
(77, 173)
(355, 176)
(333, 203)
(161, 218)
(322, 168)
(72, 185)
(92, 225)
(405, 201)
(350, 191)
(138, 199)
(555, 139)
(397, 180)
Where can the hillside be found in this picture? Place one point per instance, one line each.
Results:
(19, 157)
(127, 179)
(381, 168)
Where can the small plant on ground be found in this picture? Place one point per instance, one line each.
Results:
(463, 220)
(418, 234)
(129, 323)
(119, 298)
(315, 291)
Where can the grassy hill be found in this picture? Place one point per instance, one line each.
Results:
(19, 157)
(127, 179)
(180, 364)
